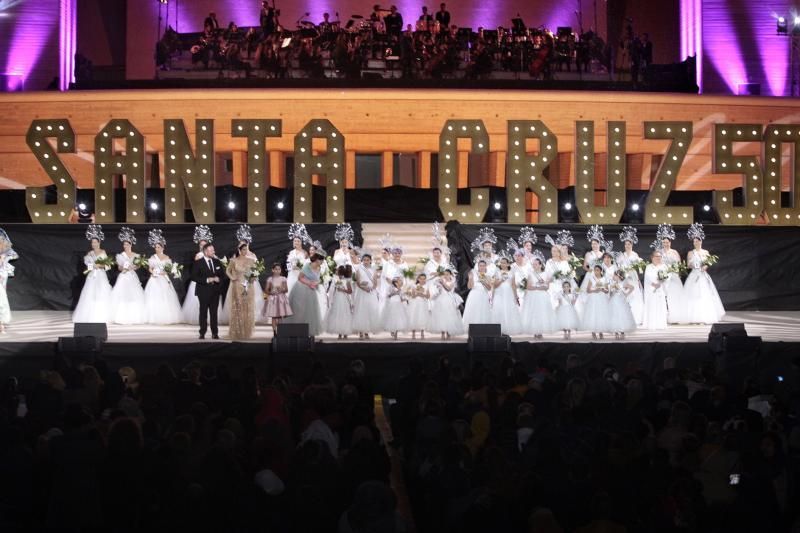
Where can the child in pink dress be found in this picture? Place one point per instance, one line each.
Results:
(275, 294)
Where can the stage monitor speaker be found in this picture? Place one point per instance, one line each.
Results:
(292, 338)
(293, 330)
(79, 345)
(484, 330)
(98, 330)
(487, 338)
(723, 336)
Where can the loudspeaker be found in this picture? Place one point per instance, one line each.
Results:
(720, 334)
(484, 330)
(487, 338)
(292, 338)
(79, 345)
(292, 330)
(98, 330)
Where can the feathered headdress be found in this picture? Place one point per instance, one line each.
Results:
(484, 235)
(513, 248)
(563, 238)
(243, 234)
(5, 246)
(629, 233)
(344, 231)
(156, 237)
(527, 234)
(537, 254)
(386, 243)
(664, 231)
(438, 239)
(127, 234)
(595, 233)
(299, 231)
(317, 245)
(95, 231)
(504, 254)
(202, 233)
(696, 232)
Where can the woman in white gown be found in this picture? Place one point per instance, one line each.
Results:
(127, 296)
(191, 304)
(521, 271)
(325, 276)
(297, 255)
(478, 309)
(244, 236)
(505, 310)
(527, 240)
(366, 310)
(94, 304)
(160, 299)
(445, 318)
(303, 299)
(625, 261)
(557, 271)
(703, 304)
(7, 254)
(655, 296)
(538, 315)
(344, 234)
(483, 244)
(676, 300)
(591, 258)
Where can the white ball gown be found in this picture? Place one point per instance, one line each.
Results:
(703, 304)
(191, 305)
(160, 299)
(340, 257)
(521, 273)
(595, 313)
(478, 309)
(127, 296)
(636, 298)
(340, 315)
(566, 316)
(305, 304)
(591, 258)
(676, 299)
(94, 304)
(6, 271)
(620, 316)
(504, 305)
(558, 272)
(294, 263)
(538, 315)
(444, 310)
(366, 307)
(655, 299)
(419, 314)
(394, 317)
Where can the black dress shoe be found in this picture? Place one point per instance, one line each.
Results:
(215, 337)
(201, 337)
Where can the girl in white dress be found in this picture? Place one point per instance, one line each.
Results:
(7, 254)
(445, 317)
(419, 313)
(297, 255)
(538, 316)
(595, 315)
(94, 304)
(478, 309)
(160, 299)
(191, 304)
(703, 304)
(340, 315)
(557, 270)
(676, 300)
(366, 312)
(395, 313)
(303, 298)
(434, 267)
(127, 296)
(566, 316)
(625, 261)
(620, 315)
(505, 310)
(655, 297)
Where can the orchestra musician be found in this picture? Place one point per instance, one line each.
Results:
(394, 22)
(425, 21)
(211, 20)
(268, 18)
(443, 16)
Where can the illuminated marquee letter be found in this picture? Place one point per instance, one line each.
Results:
(108, 164)
(38, 140)
(748, 166)
(256, 132)
(774, 136)
(681, 134)
(331, 165)
(616, 174)
(525, 172)
(448, 170)
(185, 171)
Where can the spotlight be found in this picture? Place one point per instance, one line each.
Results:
(231, 205)
(567, 206)
(782, 26)
(706, 208)
(497, 206)
(635, 208)
(154, 206)
(82, 206)
(280, 205)
(797, 20)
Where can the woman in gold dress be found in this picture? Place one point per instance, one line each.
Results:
(242, 306)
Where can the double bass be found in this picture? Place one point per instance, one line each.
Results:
(541, 56)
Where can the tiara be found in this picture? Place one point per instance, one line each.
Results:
(664, 231)
(243, 234)
(317, 245)
(563, 238)
(385, 242)
(298, 231)
(95, 231)
(344, 232)
(127, 234)
(437, 239)
(595, 233)
(696, 232)
(484, 235)
(629, 234)
(202, 233)
(527, 234)
(156, 237)
(537, 254)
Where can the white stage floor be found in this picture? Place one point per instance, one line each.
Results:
(48, 326)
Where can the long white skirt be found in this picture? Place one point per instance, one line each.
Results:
(5, 308)
(191, 307)
(127, 299)
(703, 304)
(161, 301)
(445, 316)
(505, 311)
(538, 315)
(596, 313)
(305, 305)
(655, 309)
(477, 310)
(322, 301)
(567, 317)
(94, 304)
(419, 314)
(676, 300)
(340, 317)
(395, 315)
(636, 299)
(620, 316)
(366, 313)
(291, 278)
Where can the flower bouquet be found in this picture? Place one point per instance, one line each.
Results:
(298, 264)
(663, 275)
(331, 264)
(638, 266)
(256, 270)
(423, 260)
(409, 273)
(175, 270)
(575, 262)
(710, 260)
(562, 275)
(102, 263)
(523, 285)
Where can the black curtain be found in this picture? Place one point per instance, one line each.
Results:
(757, 269)
(49, 271)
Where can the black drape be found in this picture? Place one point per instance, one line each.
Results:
(49, 271)
(757, 269)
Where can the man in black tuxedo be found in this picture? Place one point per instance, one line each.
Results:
(207, 273)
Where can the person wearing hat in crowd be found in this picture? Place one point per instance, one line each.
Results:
(94, 304)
